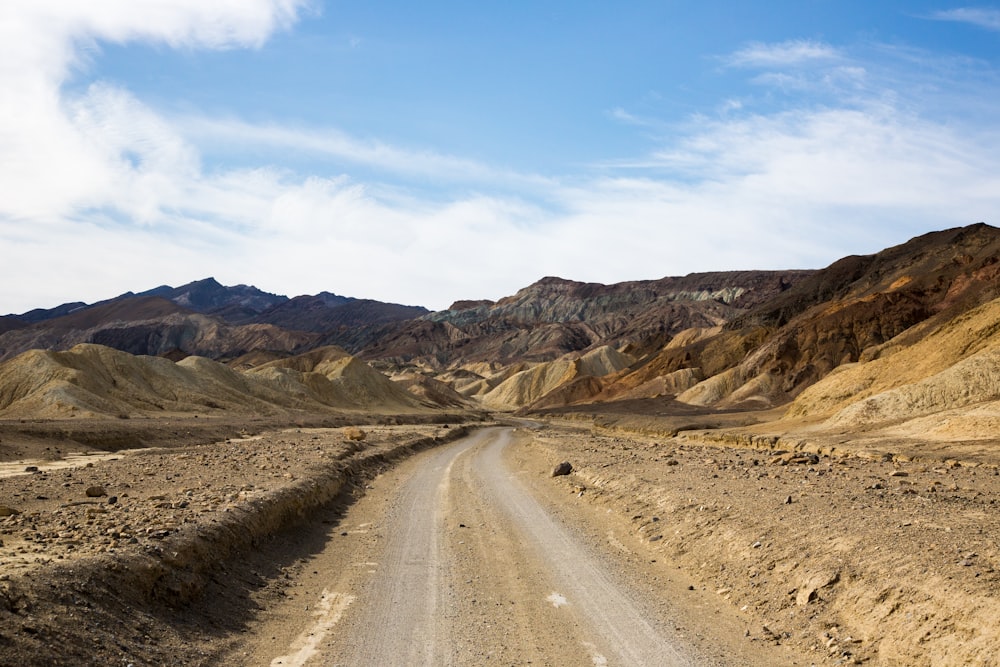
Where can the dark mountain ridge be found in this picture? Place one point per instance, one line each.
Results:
(554, 316)
(203, 318)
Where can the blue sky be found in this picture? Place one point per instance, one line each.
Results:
(426, 152)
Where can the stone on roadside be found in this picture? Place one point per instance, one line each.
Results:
(563, 468)
(810, 585)
(355, 434)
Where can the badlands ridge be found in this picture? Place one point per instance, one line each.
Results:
(783, 424)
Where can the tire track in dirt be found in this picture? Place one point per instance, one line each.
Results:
(468, 566)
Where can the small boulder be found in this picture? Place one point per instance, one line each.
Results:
(563, 468)
(810, 585)
(96, 491)
(8, 511)
(355, 434)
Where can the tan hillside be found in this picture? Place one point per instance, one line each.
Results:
(433, 392)
(954, 365)
(465, 382)
(477, 379)
(353, 383)
(688, 358)
(315, 361)
(92, 380)
(670, 384)
(970, 381)
(96, 381)
(529, 386)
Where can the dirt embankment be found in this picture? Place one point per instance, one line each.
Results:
(140, 560)
(851, 558)
(45, 439)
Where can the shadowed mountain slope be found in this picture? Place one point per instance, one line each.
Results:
(151, 326)
(554, 317)
(202, 318)
(327, 312)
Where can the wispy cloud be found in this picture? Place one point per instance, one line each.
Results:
(340, 147)
(987, 18)
(139, 192)
(782, 54)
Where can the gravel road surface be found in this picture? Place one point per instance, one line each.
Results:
(457, 564)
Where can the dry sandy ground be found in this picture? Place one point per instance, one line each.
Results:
(806, 559)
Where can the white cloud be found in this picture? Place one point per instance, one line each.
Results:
(62, 153)
(982, 17)
(103, 193)
(346, 150)
(782, 54)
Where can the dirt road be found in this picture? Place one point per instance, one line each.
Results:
(450, 560)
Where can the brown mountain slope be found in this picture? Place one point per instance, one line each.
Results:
(330, 313)
(841, 314)
(950, 366)
(9, 323)
(151, 326)
(553, 317)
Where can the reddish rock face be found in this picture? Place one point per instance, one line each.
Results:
(858, 303)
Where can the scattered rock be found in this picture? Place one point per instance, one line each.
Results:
(809, 586)
(795, 458)
(31, 469)
(8, 511)
(788, 500)
(355, 434)
(899, 473)
(563, 468)
(96, 491)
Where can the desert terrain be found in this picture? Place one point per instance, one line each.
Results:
(764, 468)
(215, 553)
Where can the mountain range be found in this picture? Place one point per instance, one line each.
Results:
(745, 340)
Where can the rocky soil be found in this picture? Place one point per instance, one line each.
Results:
(842, 557)
(139, 558)
(853, 557)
